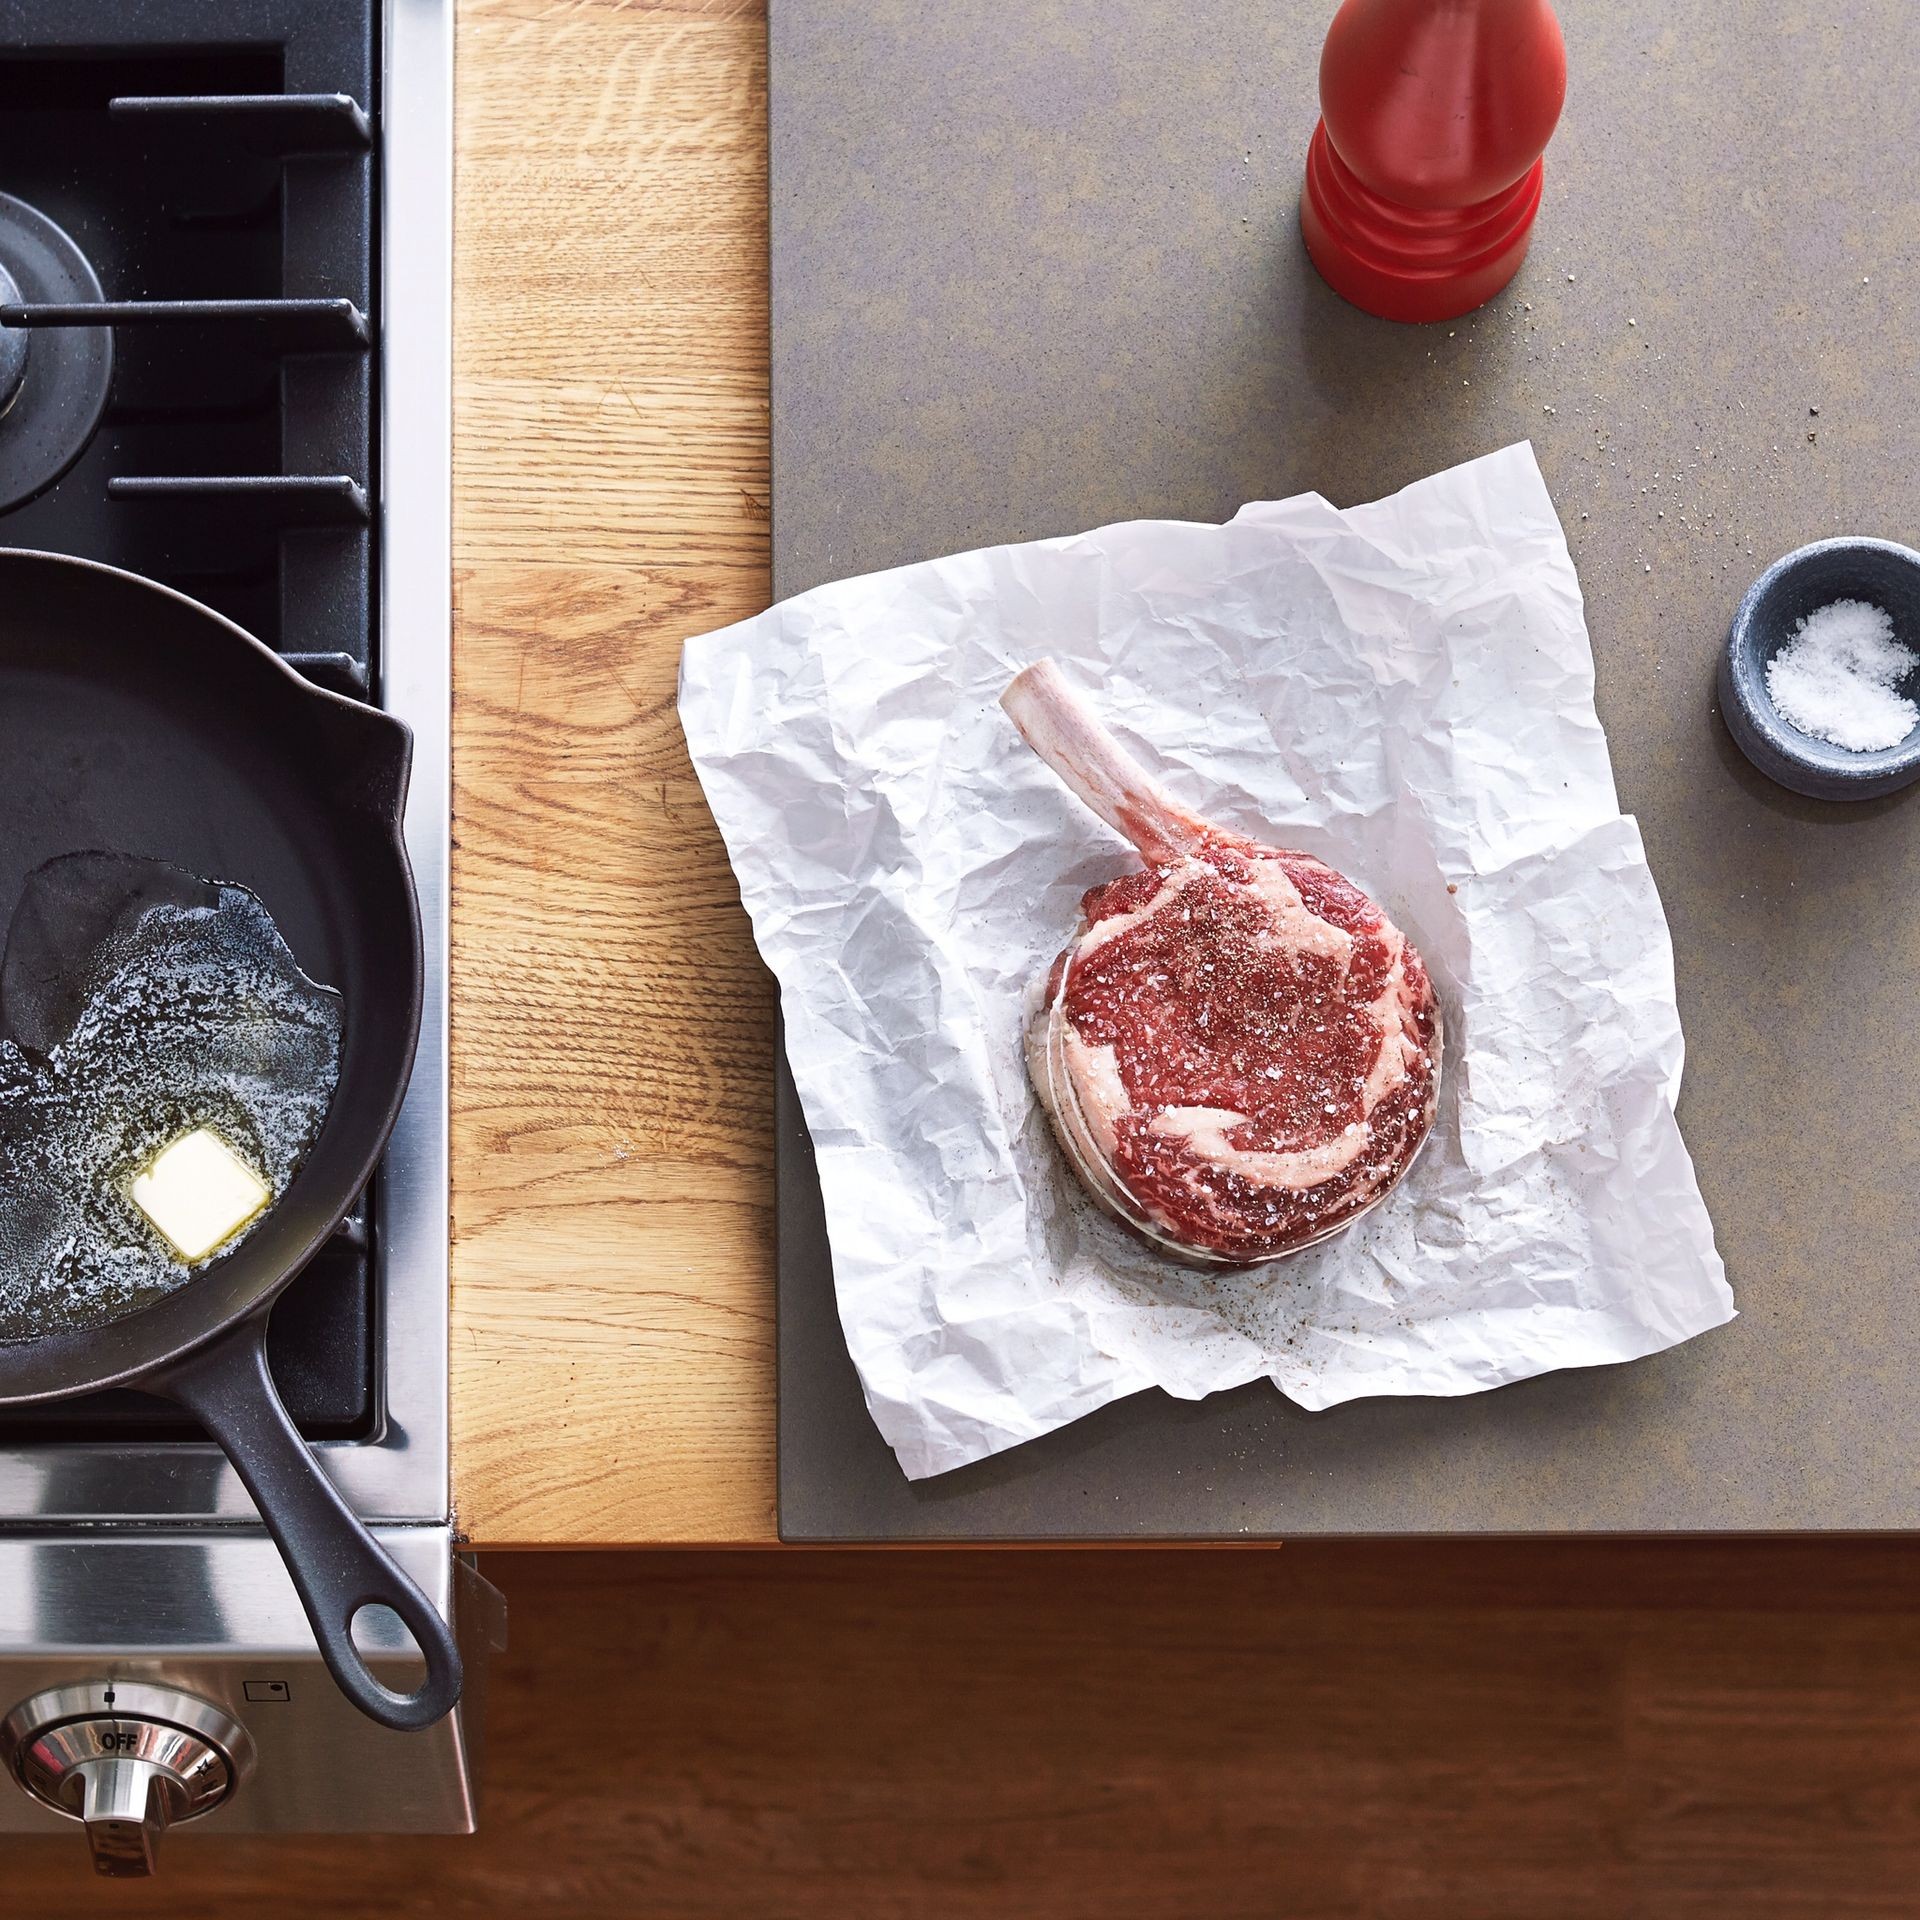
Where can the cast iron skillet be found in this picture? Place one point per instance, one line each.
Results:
(134, 720)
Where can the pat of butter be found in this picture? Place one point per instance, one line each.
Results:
(199, 1194)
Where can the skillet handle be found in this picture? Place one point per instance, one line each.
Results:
(337, 1566)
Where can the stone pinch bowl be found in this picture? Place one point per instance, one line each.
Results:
(1878, 571)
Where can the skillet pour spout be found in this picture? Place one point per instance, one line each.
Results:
(366, 756)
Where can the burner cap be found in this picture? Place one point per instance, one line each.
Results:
(13, 345)
(52, 389)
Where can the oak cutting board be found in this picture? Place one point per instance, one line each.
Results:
(1037, 267)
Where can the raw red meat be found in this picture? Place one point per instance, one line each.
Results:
(1239, 1051)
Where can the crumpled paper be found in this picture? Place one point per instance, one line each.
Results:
(1404, 689)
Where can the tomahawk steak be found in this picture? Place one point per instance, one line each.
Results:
(1239, 1052)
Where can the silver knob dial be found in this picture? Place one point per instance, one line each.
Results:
(126, 1759)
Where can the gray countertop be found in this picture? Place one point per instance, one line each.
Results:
(1038, 267)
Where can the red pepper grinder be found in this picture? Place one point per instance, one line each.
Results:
(1424, 173)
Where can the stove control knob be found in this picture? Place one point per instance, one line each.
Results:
(126, 1759)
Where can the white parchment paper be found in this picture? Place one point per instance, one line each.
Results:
(1404, 689)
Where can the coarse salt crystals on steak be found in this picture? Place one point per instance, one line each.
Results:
(1239, 1051)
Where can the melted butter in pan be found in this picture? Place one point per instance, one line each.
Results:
(140, 1008)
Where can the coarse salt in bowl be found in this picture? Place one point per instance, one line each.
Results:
(1820, 677)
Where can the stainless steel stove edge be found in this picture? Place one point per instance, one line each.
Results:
(211, 1614)
(402, 1474)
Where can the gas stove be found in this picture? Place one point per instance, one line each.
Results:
(225, 256)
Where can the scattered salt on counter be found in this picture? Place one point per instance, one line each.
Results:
(1835, 678)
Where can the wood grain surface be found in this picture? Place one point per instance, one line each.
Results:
(1417, 1732)
(612, 1207)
